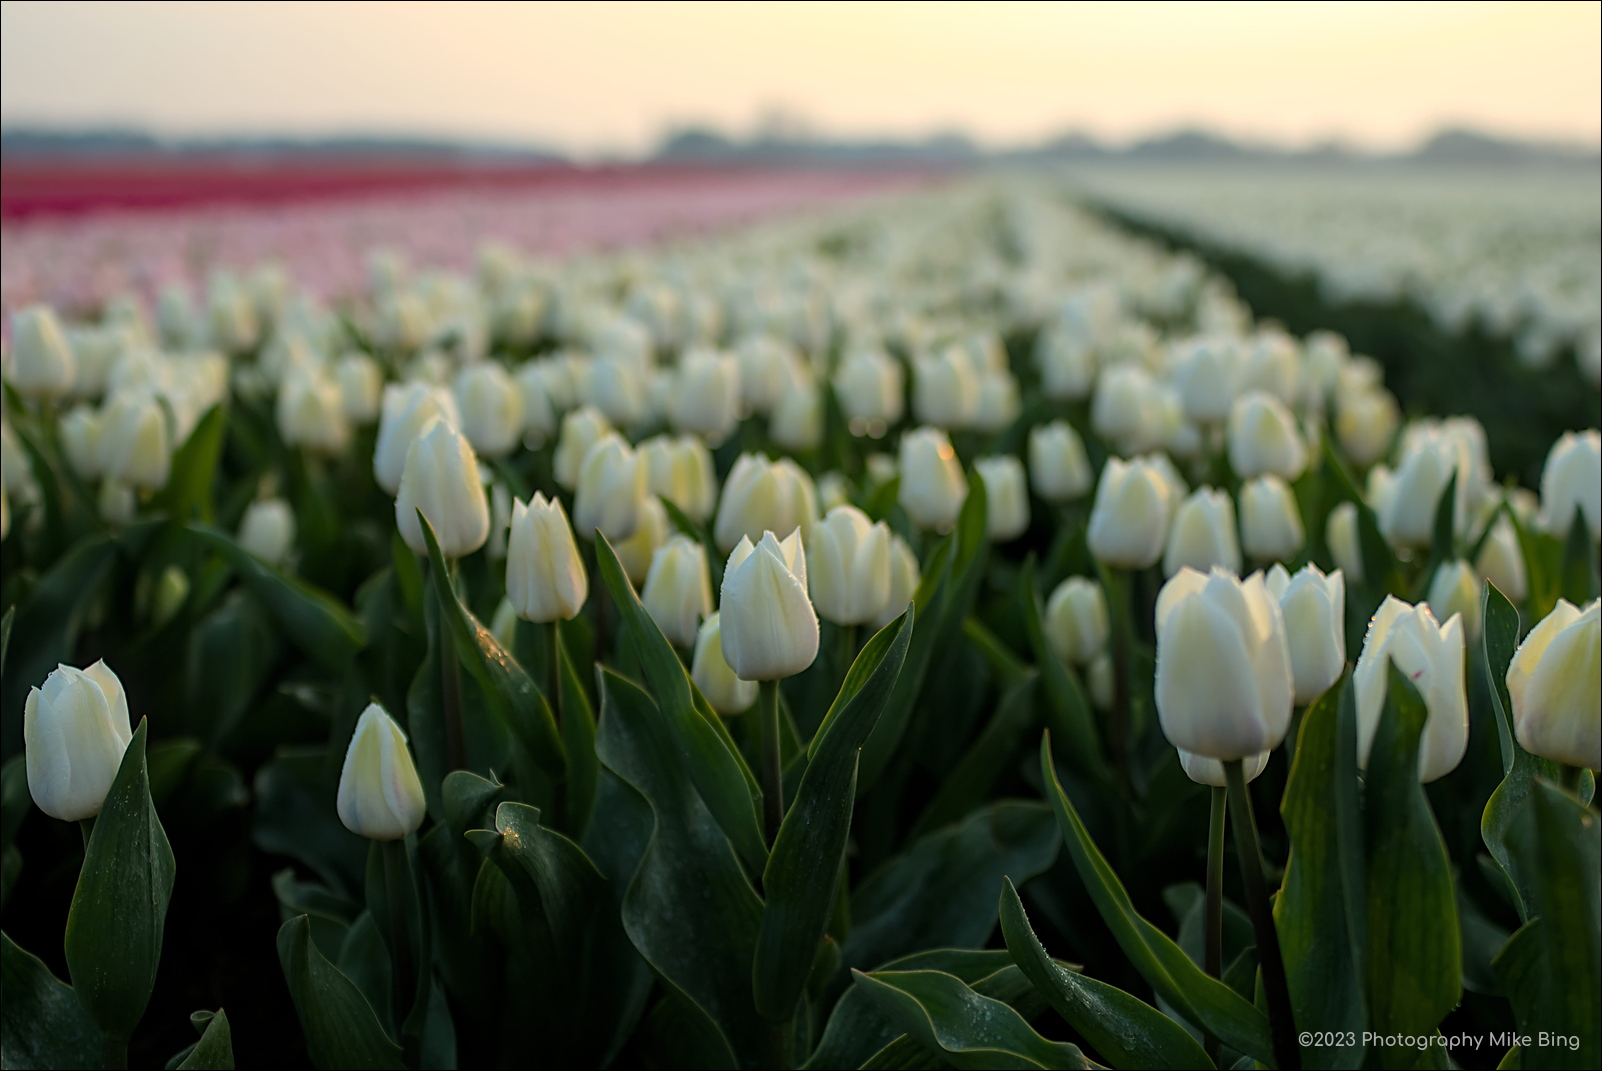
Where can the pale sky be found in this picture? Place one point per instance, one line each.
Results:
(612, 76)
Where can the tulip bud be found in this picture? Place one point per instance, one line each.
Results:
(610, 489)
(706, 394)
(834, 490)
(407, 409)
(1366, 423)
(1006, 496)
(728, 694)
(1067, 364)
(1099, 682)
(1273, 364)
(1058, 468)
(680, 470)
(75, 730)
(1205, 771)
(678, 589)
(871, 387)
(772, 631)
(42, 358)
(268, 530)
(380, 796)
(135, 445)
(581, 429)
(1122, 410)
(999, 404)
(1340, 533)
(615, 385)
(503, 624)
(1553, 682)
(1203, 534)
(545, 579)
(441, 479)
(231, 318)
(1263, 438)
(1224, 685)
(767, 367)
(361, 387)
(1076, 621)
(1407, 502)
(1205, 372)
(539, 404)
(635, 552)
(492, 408)
(311, 412)
(1314, 608)
(1431, 656)
(1129, 520)
(904, 577)
(764, 496)
(797, 422)
(116, 502)
(933, 486)
(1501, 561)
(1570, 481)
(80, 441)
(1455, 590)
(848, 567)
(1270, 522)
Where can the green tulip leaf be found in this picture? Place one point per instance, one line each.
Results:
(310, 618)
(578, 737)
(512, 695)
(857, 1028)
(1323, 962)
(193, 473)
(1551, 969)
(329, 913)
(802, 878)
(119, 909)
(690, 910)
(1443, 541)
(968, 785)
(941, 892)
(296, 817)
(215, 1049)
(5, 635)
(1206, 1003)
(713, 764)
(1125, 1030)
(1068, 712)
(945, 1016)
(1415, 963)
(1579, 572)
(340, 1026)
(42, 1025)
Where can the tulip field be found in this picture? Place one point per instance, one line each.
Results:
(816, 622)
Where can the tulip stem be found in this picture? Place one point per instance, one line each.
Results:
(1281, 1018)
(772, 766)
(86, 826)
(848, 649)
(553, 669)
(1213, 920)
(1120, 600)
(397, 890)
(450, 686)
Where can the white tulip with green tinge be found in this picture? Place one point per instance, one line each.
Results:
(1006, 496)
(545, 578)
(611, 488)
(492, 408)
(933, 487)
(268, 530)
(904, 577)
(1077, 623)
(678, 589)
(1203, 534)
(1270, 521)
(1205, 771)
(1264, 438)
(1555, 684)
(581, 429)
(764, 496)
(1224, 684)
(135, 443)
(75, 730)
(1059, 471)
(769, 629)
(1455, 590)
(728, 694)
(848, 566)
(380, 796)
(1314, 608)
(1431, 656)
(1129, 520)
(41, 358)
(441, 480)
(407, 410)
(1572, 481)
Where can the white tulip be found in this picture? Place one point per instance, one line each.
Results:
(872, 391)
(1006, 496)
(1130, 517)
(1455, 590)
(1270, 521)
(611, 487)
(1501, 561)
(999, 403)
(1314, 608)
(797, 422)
(1572, 480)
(1272, 363)
(1224, 685)
(268, 530)
(1263, 438)
(135, 444)
(1345, 546)
(1059, 471)
(1431, 656)
(539, 405)
(678, 589)
(945, 389)
(380, 796)
(764, 496)
(407, 409)
(441, 479)
(361, 387)
(848, 566)
(1431, 453)
(1203, 534)
(680, 470)
(834, 490)
(491, 406)
(1366, 423)
(1100, 683)
(768, 366)
(634, 554)
(1204, 372)
(1122, 411)
(1076, 622)
(75, 730)
(1205, 771)
(42, 363)
(615, 385)
(581, 429)
(311, 412)
(706, 394)
(769, 627)
(933, 486)
(728, 694)
(545, 578)
(904, 577)
(1555, 684)
(80, 440)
